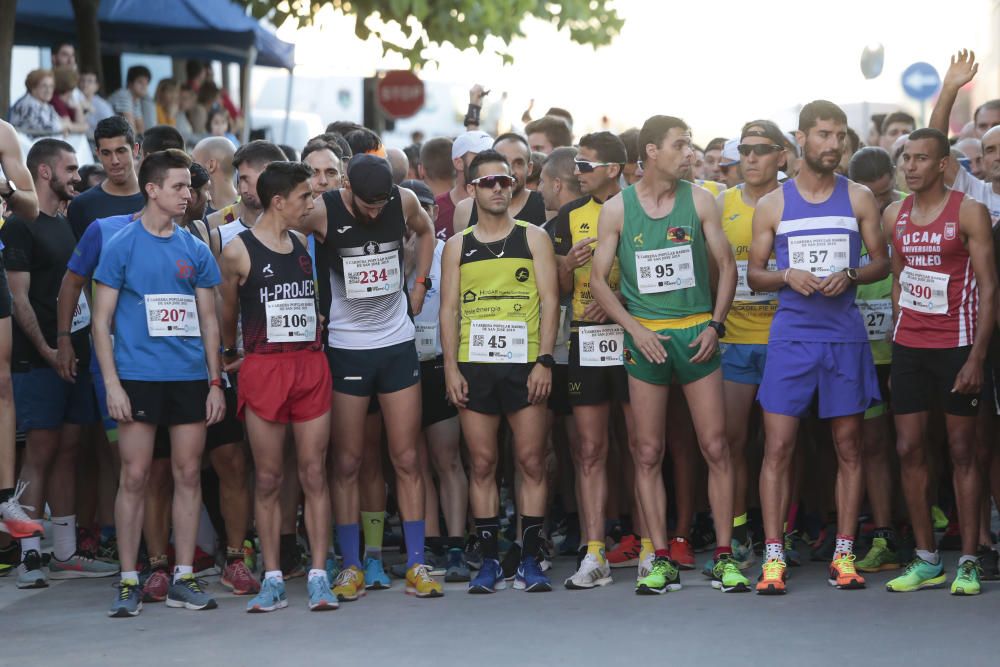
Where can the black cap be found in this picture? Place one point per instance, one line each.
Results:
(766, 129)
(199, 177)
(424, 194)
(370, 177)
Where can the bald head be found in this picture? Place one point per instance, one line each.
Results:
(400, 164)
(215, 154)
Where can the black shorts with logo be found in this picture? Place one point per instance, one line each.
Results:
(496, 389)
(593, 385)
(436, 407)
(382, 370)
(167, 403)
(922, 378)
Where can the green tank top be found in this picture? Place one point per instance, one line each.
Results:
(664, 264)
(875, 302)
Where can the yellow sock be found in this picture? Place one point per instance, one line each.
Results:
(740, 520)
(595, 548)
(646, 548)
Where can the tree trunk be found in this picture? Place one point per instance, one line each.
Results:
(88, 32)
(8, 9)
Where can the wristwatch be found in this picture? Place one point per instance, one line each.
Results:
(231, 352)
(425, 281)
(546, 360)
(719, 327)
(852, 274)
(12, 189)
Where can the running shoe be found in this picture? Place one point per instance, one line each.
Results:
(843, 574)
(420, 584)
(967, 580)
(879, 557)
(473, 553)
(918, 574)
(186, 593)
(663, 576)
(237, 578)
(772, 577)
(108, 551)
(375, 577)
(156, 586)
(457, 569)
(332, 567)
(591, 574)
(31, 574)
(489, 579)
(87, 540)
(511, 561)
(989, 563)
(823, 546)
(290, 560)
(743, 553)
(792, 556)
(682, 553)
(702, 534)
(645, 567)
(270, 597)
(250, 555)
(80, 566)
(204, 564)
(437, 563)
(129, 600)
(726, 576)
(530, 578)
(320, 596)
(939, 518)
(626, 552)
(14, 520)
(349, 585)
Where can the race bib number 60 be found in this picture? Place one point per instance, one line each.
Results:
(819, 254)
(371, 275)
(664, 270)
(601, 345)
(171, 315)
(498, 342)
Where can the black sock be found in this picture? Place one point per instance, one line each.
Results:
(435, 544)
(5, 495)
(889, 535)
(486, 531)
(531, 536)
(740, 533)
(454, 542)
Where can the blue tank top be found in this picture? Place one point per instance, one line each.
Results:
(823, 239)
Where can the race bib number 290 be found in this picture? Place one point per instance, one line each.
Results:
(171, 315)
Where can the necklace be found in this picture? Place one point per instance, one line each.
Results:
(502, 248)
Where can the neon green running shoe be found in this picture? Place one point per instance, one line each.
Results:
(939, 518)
(879, 557)
(967, 580)
(726, 576)
(664, 576)
(918, 574)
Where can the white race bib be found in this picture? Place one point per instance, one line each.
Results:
(664, 270)
(923, 291)
(819, 254)
(743, 291)
(371, 275)
(878, 317)
(426, 340)
(601, 345)
(171, 315)
(498, 342)
(81, 314)
(291, 321)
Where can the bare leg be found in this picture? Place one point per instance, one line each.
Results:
(187, 442)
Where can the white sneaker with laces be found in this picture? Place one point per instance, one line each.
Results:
(645, 567)
(592, 573)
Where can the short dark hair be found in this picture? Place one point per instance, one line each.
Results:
(630, 138)
(362, 141)
(988, 104)
(512, 136)
(897, 117)
(280, 178)
(818, 110)
(412, 153)
(435, 156)
(560, 164)
(290, 153)
(870, 164)
(877, 119)
(483, 158)
(716, 144)
(46, 151)
(160, 138)
(937, 136)
(318, 145)
(608, 146)
(136, 71)
(853, 141)
(58, 45)
(194, 68)
(342, 127)
(332, 140)
(561, 113)
(555, 129)
(111, 127)
(156, 165)
(655, 129)
(257, 152)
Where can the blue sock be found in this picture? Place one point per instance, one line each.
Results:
(349, 540)
(413, 532)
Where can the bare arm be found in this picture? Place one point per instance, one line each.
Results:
(69, 295)
(215, 404)
(105, 302)
(456, 386)
(872, 233)
(544, 262)
(961, 70)
(463, 214)
(24, 314)
(420, 224)
(895, 260)
(719, 250)
(974, 221)
(766, 217)
(234, 269)
(24, 202)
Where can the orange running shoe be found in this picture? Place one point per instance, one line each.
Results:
(682, 553)
(772, 577)
(843, 575)
(626, 552)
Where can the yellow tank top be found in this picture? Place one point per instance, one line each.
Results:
(712, 186)
(497, 293)
(749, 319)
(577, 221)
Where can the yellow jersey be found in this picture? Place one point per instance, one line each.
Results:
(749, 319)
(576, 221)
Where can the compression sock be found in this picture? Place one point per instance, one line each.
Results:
(349, 539)
(373, 525)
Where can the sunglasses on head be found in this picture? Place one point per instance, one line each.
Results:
(760, 150)
(491, 181)
(586, 166)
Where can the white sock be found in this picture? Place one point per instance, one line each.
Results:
(845, 545)
(774, 550)
(29, 544)
(317, 573)
(967, 557)
(274, 574)
(130, 576)
(931, 557)
(181, 570)
(64, 536)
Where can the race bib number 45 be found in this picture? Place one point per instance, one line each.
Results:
(664, 270)
(923, 291)
(819, 254)
(601, 345)
(498, 342)
(171, 315)
(371, 275)
(291, 321)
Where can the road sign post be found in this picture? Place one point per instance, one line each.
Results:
(921, 82)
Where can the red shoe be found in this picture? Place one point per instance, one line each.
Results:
(13, 519)
(626, 552)
(156, 586)
(204, 564)
(682, 553)
(237, 578)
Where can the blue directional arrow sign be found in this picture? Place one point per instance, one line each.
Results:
(921, 81)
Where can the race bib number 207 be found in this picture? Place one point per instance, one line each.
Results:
(171, 315)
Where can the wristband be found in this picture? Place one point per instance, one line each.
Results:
(216, 382)
(472, 115)
(785, 277)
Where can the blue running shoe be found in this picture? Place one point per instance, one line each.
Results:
(530, 577)
(129, 600)
(375, 577)
(320, 597)
(489, 579)
(332, 568)
(271, 597)
(186, 593)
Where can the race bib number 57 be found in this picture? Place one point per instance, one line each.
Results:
(819, 254)
(171, 315)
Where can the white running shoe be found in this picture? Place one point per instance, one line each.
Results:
(591, 574)
(645, 567)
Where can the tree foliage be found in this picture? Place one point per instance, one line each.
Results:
(461, 23)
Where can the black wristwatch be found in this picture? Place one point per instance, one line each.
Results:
(546, 360)
(852, 274)
(231, 353)
(12, 189)
(719, 327)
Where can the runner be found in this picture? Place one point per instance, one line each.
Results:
(215, 154)
(662, 230)
(815, 225)
(465, 147)
(944, 305)
(175, 280)
(499, 314)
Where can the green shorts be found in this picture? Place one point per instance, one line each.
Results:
(677, 369)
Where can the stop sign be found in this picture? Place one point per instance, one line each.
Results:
(400, 93)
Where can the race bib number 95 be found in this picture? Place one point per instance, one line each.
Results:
(664, 270)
